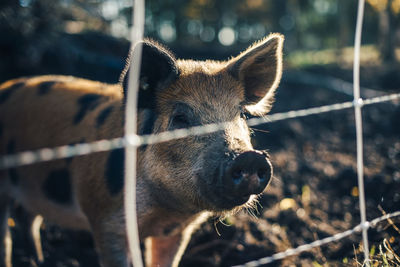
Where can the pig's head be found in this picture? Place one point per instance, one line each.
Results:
(217, 171)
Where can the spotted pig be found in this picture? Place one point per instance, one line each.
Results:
(179, 182)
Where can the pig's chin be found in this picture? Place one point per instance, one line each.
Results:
(215, 199)
(225, 203)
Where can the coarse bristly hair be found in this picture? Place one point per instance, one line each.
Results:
(251, 207)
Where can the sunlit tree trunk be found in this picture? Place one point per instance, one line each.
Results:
(344, 23)
(386, 39)
(344, 27)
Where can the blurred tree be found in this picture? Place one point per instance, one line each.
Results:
(388, 12)
(23, 24)
(50, 36)
(344, 32)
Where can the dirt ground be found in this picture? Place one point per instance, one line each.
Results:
(313, 194)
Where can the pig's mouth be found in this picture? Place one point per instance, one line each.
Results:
(232, 202)
(217, 199)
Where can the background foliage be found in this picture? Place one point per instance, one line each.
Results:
(31, 30)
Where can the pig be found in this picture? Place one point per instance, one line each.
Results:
(180, 183)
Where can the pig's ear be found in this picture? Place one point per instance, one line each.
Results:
(259, 70)
(158, 70)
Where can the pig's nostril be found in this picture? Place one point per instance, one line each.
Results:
(237, 176)
(262, 175)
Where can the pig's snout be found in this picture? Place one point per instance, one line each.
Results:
(248, 174)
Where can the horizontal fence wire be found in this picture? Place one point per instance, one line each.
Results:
(68, 151)
(294, 251)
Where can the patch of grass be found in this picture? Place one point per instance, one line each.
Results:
(384, 257)
(369, 57)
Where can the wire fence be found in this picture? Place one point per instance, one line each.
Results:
(68, 151)
(132, 141)
(61, 152)
(294, 251)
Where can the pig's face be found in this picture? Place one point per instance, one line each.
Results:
(221, 170)
(199, 166)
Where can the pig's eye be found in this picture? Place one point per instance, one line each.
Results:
(179, 121)
(243, 114)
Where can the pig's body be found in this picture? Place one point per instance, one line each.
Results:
(179, 183)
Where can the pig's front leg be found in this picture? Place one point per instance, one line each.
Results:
(166, 251)
(110, 239)
(161, 251)
(5, 236)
